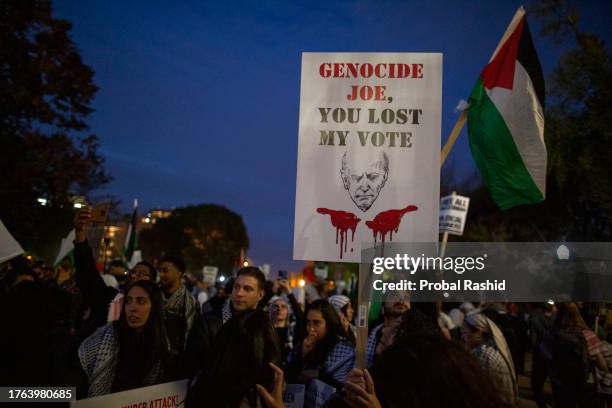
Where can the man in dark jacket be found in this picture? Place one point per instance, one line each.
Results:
(247, 291)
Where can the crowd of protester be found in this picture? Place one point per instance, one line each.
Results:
(240, 342)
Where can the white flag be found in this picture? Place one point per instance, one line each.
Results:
(66, 248)
(9, 248)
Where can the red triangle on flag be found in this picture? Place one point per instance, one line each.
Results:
(500, 71)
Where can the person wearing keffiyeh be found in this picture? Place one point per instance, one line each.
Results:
(325, 354)
(132, 352)
(180, 308)
(487, 343)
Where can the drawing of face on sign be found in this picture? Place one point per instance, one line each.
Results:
(363, 176)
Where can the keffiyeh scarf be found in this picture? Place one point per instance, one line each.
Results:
(482, 322)
(183, 301)
(98, 355)
(226, 311)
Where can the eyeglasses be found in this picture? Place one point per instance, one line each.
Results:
(139, 274)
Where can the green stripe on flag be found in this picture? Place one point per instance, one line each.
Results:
(496, 154)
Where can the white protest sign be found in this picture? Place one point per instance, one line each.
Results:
(210, 274)
(368, 153)
(9, 248)
(453, 212)
(168, 395)
(293, 396)
(318, 393)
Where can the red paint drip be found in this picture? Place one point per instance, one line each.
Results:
(342, 221)
(387, 222)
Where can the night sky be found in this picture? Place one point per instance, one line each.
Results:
(199, 101)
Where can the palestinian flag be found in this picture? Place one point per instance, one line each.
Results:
(506, 120)
(131, 243)
(66, 248)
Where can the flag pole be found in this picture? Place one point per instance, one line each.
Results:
(453, 137)
(363, 309)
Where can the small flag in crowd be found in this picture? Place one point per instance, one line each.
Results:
(506, 120)
(66, 247)
(9, 247)
(131, 252)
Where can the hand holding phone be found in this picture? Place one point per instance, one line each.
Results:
(99, 213)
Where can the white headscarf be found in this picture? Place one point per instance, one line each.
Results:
(479, 321)
(338, 302)
(285, 301)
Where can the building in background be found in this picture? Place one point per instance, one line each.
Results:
(112, 241)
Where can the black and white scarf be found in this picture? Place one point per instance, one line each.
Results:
(183, 300)
(226, 311)
(98, 355)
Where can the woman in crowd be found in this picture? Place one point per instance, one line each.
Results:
(280, 317)
(345, 311)
(132, 352)
(422, 370)
(486, 342)
(325, 353)
(244, 349)
(576, 351)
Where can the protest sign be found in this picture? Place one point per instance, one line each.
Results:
(368, 152)
(166, 395)
(210, 274)
(453, 213)
(318, 393)
(293, 396)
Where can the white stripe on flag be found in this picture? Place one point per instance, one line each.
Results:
(523, 115)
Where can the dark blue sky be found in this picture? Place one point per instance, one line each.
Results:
(199, 100)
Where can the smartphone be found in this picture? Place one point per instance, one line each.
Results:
(282, 274)
(99, 213)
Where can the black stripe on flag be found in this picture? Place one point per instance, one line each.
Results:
(528, 58)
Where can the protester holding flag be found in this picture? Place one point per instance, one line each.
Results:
(132, 352)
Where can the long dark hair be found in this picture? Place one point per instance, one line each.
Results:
(244, 347)
(334, 331)
(568, 317)
(141, 350)
(425, 370)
